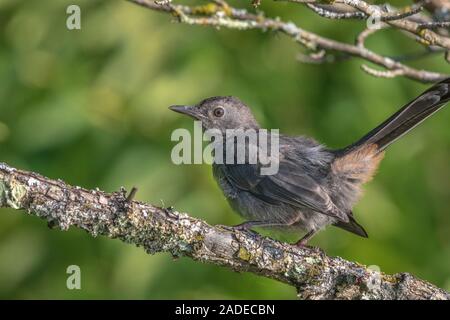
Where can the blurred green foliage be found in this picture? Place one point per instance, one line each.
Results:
(90, 107)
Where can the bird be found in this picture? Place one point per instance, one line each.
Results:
(315, 186)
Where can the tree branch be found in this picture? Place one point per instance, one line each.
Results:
(220, 14)
(314, 274)
(396, 20)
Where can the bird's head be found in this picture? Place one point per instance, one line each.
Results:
(220, 113)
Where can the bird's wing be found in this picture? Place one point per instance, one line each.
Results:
(288, 186)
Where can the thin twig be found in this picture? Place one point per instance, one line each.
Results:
(361, 39)
(434, 25)
(329, 12)
(398, 20)
(382, 73)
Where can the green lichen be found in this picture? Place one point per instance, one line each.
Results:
(389, 278)
(243, 254)
(424, 38)
(206, 10)
(199, 237)
(12, 194)
(3, 190)
(17, 194)
(211, 9)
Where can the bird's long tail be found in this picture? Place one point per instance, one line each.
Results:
(357, 163)
(406, 118)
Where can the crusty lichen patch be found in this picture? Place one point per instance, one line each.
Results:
(348, 292)
(389, 278)
(18, 193)
(12, 194)
(207, 9)
(2, 193)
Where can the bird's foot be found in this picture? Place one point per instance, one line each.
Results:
(303, 245)
(303, 242)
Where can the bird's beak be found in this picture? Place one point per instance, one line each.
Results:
(187, 110)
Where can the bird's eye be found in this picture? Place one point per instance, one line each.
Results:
(218, 112)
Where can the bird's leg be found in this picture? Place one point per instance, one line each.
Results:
(303, 241)
(250, 224)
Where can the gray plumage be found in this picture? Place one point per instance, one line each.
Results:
(314, 186)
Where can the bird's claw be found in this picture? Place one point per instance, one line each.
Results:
(305, 245)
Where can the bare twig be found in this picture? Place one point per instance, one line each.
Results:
(382, 73)
(361, 39)
(311, 271)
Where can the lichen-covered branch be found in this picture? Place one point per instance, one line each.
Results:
(220, 14)
(116, 215)
(399, 19)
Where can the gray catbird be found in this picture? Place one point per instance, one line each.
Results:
(314, 186)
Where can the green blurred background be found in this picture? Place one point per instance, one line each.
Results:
(90, 107)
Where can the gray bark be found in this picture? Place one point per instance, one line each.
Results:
(311, 271)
